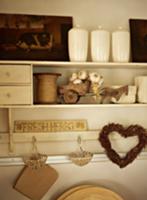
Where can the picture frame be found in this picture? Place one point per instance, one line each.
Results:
(34, 37)
(138, 31)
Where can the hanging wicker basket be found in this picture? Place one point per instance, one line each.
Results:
(81, 158)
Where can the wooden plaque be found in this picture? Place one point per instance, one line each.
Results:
(31, 126)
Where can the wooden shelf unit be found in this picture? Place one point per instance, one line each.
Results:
(11, 138)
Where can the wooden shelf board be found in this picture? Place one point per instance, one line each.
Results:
(64, 64)
(76, 106)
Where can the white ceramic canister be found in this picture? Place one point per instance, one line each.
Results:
(100, 45)
(121, 45)
(141, 83)
(78, 44)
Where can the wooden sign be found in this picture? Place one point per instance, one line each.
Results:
(31, 126)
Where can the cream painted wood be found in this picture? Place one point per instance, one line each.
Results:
(15, 74)
(60, 159)
(67, 106)
(12, 95)
(13, 139)
(61, 136)
(10, 128)
(66, 64)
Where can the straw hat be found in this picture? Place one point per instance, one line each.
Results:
(70, 191)
(92, 193)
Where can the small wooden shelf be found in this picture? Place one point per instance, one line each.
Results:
(50, 136)
(88, 135)
(60, 159)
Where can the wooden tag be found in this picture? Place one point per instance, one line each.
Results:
(34, 183)
(24, 126)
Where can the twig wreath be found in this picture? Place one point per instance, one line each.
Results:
(132, 130)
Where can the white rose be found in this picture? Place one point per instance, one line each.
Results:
(77, 81)
(82, 75)
(73, 77)
(101, 81)
(94, 77)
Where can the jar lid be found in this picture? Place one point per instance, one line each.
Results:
(78, 27)
(121, 29)
(100, 28)
(46, 73)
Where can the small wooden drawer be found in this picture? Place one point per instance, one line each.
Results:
(13, 95)
(13, 74)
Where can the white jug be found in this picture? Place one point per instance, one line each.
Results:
(100, 45)
(121, 45)
(78, 44)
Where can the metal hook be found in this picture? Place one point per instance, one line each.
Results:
(34, 147)
(79, 140)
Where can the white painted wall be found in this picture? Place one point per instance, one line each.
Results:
(87, 13)
(130, 182)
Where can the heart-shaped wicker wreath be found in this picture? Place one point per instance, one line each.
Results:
(132, 130)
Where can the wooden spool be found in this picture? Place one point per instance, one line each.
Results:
(46, 87)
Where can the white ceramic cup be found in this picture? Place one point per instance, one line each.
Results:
(141, 83)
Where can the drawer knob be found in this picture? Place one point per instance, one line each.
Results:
(8, 74)
(8, 95)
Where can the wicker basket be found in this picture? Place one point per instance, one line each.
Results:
(81, 158)
(46, 87)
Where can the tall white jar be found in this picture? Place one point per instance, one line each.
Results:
(100, 45)
(121, 45)
(78, 44)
